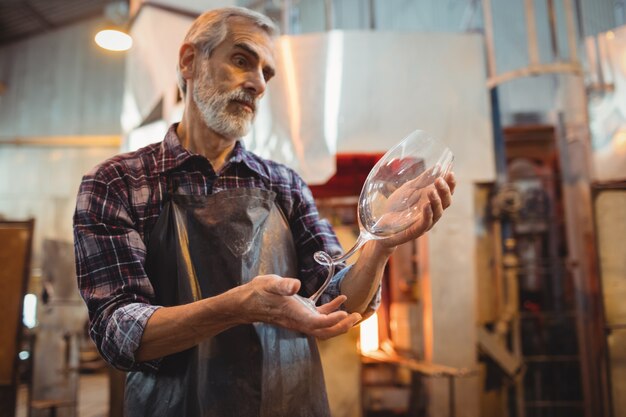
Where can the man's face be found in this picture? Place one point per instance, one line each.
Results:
(229, 84)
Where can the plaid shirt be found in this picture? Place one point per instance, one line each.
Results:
(118, 204)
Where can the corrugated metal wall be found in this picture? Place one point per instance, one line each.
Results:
(57, 84)
(440, 15)
(598, 15)
(51, 79)
(518, 96)
(61, 83)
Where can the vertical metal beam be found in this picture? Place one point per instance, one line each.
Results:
(531, 32)
(579, 20)
(491, 54)
(372, 15)
(574, 203)
(516, 332)
(451, 396)
(285, 15)
(498, 138)
(329, 10)
(575, 158)
(571, 30)
(620, 13)
(553, 32)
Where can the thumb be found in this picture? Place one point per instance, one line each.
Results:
(284, 286)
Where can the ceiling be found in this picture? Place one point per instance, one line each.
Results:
(20, 19)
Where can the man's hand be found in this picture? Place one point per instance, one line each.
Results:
(439, 199)
(271, 299)
(267, 298)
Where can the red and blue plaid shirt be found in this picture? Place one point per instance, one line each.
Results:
(118, 204)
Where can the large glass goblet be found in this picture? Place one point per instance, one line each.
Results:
(393, 195)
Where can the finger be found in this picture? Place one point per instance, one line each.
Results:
(427, 222)
(283, 286)
(332, 305)
(323, 321)
(436, 205)
(451, 180)
(421, 227)
(342, 327)
(445, 195)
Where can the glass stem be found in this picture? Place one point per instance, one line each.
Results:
(362, 240)
(323, 258)
(331, 272)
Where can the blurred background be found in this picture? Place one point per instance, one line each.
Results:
(511, 306)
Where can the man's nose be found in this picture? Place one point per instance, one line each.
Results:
(255, 83)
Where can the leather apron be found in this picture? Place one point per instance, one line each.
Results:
(202, 246)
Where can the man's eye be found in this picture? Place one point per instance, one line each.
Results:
(240, 61)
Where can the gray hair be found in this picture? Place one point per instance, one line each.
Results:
(210, 29)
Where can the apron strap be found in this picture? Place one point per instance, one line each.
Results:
(171, 187)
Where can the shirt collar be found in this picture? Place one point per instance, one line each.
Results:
(172, 154)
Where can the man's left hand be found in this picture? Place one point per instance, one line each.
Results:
(439, 199)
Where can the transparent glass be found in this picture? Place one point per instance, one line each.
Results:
(393, 195)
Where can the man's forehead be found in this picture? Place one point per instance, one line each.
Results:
(243, 31)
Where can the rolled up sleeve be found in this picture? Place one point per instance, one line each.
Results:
(123, 333)
(110, 257)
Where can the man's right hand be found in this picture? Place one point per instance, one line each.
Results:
(270, 299)
(267, 298)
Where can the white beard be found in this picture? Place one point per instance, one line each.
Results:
(212, 105)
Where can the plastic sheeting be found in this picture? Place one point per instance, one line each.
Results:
(151, 65)
(334, 92)
(344, 92)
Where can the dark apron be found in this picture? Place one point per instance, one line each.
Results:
(202, 246)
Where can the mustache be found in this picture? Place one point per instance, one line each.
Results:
(244, 97)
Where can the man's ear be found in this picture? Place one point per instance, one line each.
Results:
(186, 60)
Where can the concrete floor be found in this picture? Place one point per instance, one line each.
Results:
(93, 397)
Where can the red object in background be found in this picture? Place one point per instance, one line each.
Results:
(352, 170)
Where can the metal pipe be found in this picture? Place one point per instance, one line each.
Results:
(572, 140)
(571, 30)
(491, 56)
(372, 14)
(579, 21)
(595, 46)
(620, 11)
(77, 141)
(498, 139)
(329, 12)
(285, 15)
(497, 257)
(451, 396)
(605, 70)
(531, 31)
(552, 23)
(537, 69)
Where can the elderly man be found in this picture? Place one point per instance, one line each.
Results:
(189, 252)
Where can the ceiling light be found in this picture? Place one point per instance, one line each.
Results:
(114, 40)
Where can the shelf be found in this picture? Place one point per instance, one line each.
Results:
(554, 404)
(551, 358)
